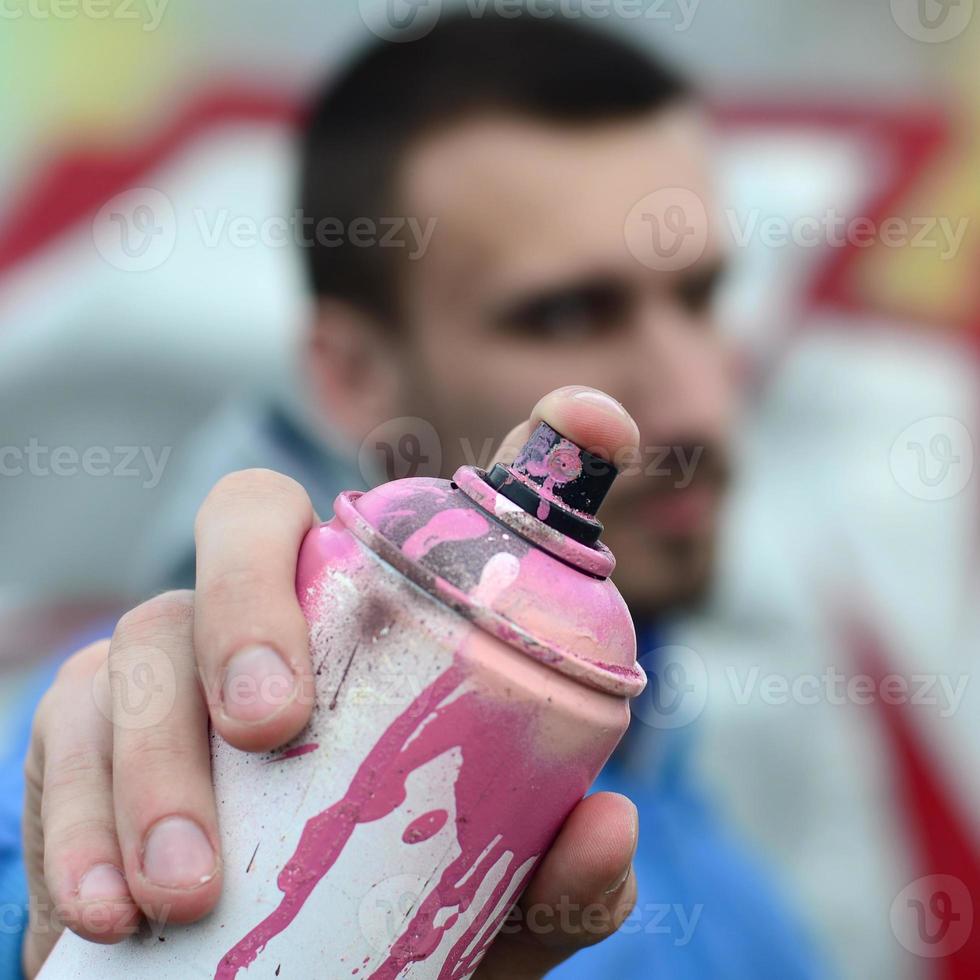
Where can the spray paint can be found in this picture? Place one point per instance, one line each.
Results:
(473, 667)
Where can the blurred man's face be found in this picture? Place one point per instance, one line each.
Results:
(529, 284)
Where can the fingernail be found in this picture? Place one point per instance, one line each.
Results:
(258, 683)
(178, 854)
(102, 883)
(594, 397)
(620, 881)
(634, 831)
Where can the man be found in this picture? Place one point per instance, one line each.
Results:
(523, 145)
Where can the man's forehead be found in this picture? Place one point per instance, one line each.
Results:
(514, 193)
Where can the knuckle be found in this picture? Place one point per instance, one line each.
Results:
(249, 487)
(233, 586)
(162, 615)
(157, 755)
(77, 769)
(42, 716)
(78, 834)
(79, 667)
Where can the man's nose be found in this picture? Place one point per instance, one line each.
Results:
(678, 387)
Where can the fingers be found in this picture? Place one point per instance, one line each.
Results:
(590, 864)
(164, 804)
(588, 417)
(120, 810)
(83, 883)
(250, 634)
(582, 892)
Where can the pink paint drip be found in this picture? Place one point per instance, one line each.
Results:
(297, 750)
(456, 524)
(494, 794)
(424, 827)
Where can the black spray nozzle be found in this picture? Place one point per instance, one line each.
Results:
(558, 482)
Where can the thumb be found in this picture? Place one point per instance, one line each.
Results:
(586, 416)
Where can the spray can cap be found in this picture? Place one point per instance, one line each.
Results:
(558, 482)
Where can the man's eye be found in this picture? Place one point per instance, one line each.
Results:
(568, 316)
(697, 292)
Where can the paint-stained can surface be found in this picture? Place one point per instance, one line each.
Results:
(473, 667)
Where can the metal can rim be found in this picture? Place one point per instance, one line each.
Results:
(616, 679)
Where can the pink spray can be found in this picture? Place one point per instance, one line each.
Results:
(474, 665)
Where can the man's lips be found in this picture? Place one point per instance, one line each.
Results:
(675, 510)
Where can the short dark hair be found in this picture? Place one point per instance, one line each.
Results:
(362, 121)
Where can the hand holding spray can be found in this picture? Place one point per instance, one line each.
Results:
(473, 668)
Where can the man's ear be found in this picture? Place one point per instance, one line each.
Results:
(353, 367)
